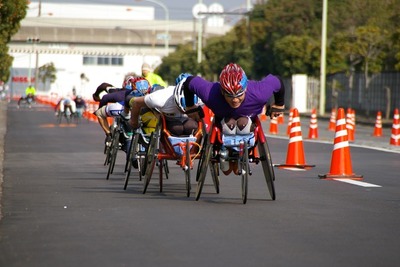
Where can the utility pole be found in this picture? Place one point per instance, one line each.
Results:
(322, 93)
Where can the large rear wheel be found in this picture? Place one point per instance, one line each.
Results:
(150, 160)
(266, 162)
(244, 166)
(203, 166)
(113, 153)
(187, 168)
(215, 175)
(133, 151)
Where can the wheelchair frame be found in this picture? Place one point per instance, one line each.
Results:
(210, 155)
(137, 150)
(161, 149)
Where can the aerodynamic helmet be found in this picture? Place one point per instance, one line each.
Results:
(233, 80)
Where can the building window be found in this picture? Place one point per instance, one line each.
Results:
(103, 60)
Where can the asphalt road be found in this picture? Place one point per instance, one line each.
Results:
(58, 209)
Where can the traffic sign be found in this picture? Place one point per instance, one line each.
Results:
(197, 8)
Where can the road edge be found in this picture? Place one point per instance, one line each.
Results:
(3, 130)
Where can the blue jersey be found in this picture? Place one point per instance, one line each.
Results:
(257, 96)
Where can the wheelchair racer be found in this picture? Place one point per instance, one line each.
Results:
(234, 100)
(165, 101)
(112, 103)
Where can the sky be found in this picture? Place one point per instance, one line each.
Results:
(178, 9)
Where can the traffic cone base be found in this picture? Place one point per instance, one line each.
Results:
(295, 158)
(294, 166)
(345, 176)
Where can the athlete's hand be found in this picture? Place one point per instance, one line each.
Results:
(275, 111)
(134, 124)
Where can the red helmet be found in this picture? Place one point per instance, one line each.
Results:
(139, 84)
(233, 80)
(126, 83)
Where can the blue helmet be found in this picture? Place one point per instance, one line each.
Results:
(182, 76)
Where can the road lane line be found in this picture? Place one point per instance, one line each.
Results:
(350, 181)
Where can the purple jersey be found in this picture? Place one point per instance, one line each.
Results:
(115, 97)
(257, 95)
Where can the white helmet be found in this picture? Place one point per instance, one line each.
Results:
(179, 96)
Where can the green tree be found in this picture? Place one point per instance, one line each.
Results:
(11, 13)
(47, 73)
(297, 54)
(184, 59)
(283, 37)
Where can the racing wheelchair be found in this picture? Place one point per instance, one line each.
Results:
(243, 149)
(163, 147)
(121, 136)
(136, 154)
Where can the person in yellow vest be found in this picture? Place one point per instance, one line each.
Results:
(150, 76)
(29, 97)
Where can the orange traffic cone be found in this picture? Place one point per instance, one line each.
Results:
(341, 159)
(378, 125)
(290, 121)
(332, 120)
(281, 119)
(273, 126)
(350, 124)
(262, 116)
(313, 128)
(295, 157)
(395, 137)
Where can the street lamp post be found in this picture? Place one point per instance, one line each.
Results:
(32, 41)
(323, 57)
(163, 6)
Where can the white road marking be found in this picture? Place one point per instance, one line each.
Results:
(355, 182)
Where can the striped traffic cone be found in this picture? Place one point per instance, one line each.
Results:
(378, 125)
(341, 159)
(350, 124)
(313, 128)
(281, 119)
(273, 126)
(263, 116)
(295, 157)
(289, 121)
(332, 120)
(395, 137)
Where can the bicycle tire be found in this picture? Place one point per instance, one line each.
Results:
(107, 149)
(187, 169)
(68, 118)
(244, 165)
(113, 153)
(59, 118)
(150, 161)
(130, 157)
(203, 148)
(266, 162)
(203, 168)
(215, 175)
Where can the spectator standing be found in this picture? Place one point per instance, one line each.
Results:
(153, 78)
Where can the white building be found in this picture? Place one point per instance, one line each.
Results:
(87, 51)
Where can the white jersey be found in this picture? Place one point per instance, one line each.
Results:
(163, 101)
(114, 109)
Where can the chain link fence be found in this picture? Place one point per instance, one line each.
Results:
(342, 90)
